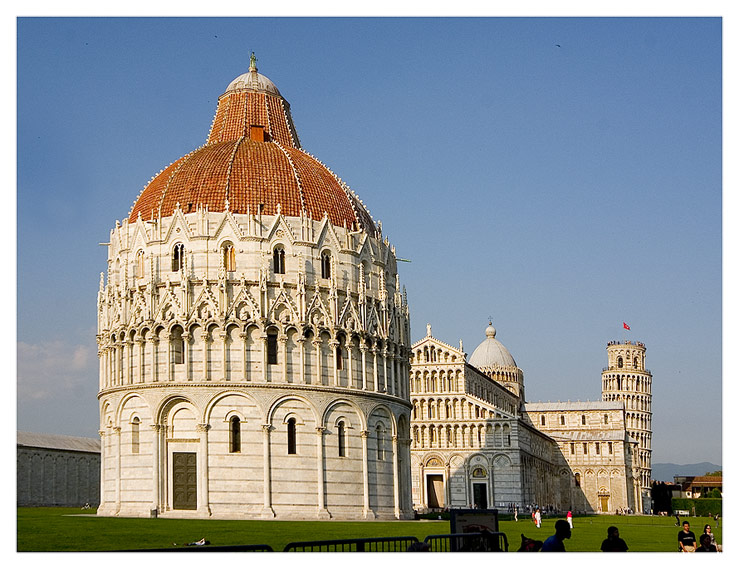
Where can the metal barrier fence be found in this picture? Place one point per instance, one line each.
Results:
(477, 541)
(373, 544)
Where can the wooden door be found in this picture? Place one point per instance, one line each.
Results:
(435, 491)
(480, 495)
(184, 481)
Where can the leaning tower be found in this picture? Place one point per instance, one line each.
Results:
(627, 379)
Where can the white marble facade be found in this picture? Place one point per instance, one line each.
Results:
(476, 442)
(253, 364)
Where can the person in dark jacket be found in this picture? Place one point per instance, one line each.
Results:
(556, 542)
(613, 542)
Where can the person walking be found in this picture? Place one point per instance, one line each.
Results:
(556, 541)
(537, 517)
(686, 539)
(613, 542)
(569, 518)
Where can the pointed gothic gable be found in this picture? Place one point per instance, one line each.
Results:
(327, 236)
(178, 221)
(317, 313)
(373, 322)
(205, 305)
(431, 341)
(283, 309)
(349, 317)
(366, 250)
(281, 223)
(139, 237)
(169, 307)
(140, 309)
(228, 227)
(244, 306)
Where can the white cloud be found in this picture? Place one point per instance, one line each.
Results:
(45, 370)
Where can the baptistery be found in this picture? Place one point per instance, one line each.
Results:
(252, 334)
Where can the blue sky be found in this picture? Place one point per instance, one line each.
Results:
(558, 190)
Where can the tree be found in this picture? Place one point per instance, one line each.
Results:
(717, 473)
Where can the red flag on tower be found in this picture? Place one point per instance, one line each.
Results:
(626, 326)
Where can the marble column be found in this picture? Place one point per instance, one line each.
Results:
(363, 351)
(243, 335)
(374, 351)
(223, 335)
(154, 358)
(396, 482)
(301, 349)
(203, 494)
(186, 355)
(103, 458)
(267, 511)
(367, 512)
(117, 442)
(282, 356)
(156, 459)
(350, 367)
(319, 378)
(170, 370)
(334, 344)
(206, 354)
(322, 511)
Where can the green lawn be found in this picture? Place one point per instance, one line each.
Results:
(65, 529)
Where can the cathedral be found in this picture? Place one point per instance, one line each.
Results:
(476, 442)
(255, 359)
(252, 335)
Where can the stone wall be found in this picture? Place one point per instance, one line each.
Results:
(51, 477)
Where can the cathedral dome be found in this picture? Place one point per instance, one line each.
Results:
(491, 353)
(252, 162)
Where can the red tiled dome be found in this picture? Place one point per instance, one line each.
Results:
(252, 158)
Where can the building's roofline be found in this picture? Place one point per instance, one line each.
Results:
(426, 338)
(58, 442)
(572, 405)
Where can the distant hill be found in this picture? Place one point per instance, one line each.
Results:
(666, 471)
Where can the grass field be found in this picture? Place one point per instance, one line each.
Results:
(68, 529)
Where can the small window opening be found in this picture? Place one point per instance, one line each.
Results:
(339, 358)
(235, 439)
(583, 419)
(543, 420)
(135, 434)
(272, 348)
(178, 257)
(341, 432)
(178, 346)
(380, 443)
(326, 265)
(278, 258)
(140, 264)
(561, 419)
(229, 256)
(585, 448)
(577, 479)
(620, 362)
(291, 437)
